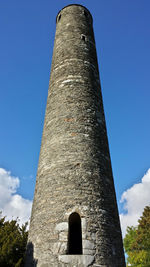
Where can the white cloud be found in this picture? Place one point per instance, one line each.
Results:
(134, 200)
(13, 205)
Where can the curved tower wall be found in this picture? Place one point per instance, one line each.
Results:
(74, 172)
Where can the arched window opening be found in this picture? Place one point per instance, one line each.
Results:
(75, 234)
(59, 17)
(83, 37)
(85, 13)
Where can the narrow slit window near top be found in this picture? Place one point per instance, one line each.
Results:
(83, 37)
(85, 13)
(59, 17)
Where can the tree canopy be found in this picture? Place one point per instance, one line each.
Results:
(137, 242)
(13, 240)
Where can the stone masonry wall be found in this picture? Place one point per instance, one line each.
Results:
(74, 172)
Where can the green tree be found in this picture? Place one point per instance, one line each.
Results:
(13, 240)
(137, 242)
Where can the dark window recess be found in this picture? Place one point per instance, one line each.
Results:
(83, 37)
(59, 17)
(74, 234)
(85, 14)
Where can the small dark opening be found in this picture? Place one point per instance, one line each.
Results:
(59, 17)
(83, 37)
(75, 234)
(85, 14)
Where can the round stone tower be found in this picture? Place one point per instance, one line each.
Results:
(74, 218)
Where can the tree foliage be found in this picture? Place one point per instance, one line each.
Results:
(137, 242)
(13, 240)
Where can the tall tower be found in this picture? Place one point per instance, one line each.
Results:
(74, 218)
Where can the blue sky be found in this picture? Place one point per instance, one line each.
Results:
(122, 33)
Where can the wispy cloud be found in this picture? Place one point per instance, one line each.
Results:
(12, 204)
(134, 200)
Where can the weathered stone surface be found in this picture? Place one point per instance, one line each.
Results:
(74, 172)
(87, 244)
(78, 260)
(62, 226)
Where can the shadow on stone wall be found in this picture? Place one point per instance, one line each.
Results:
(29, 259)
